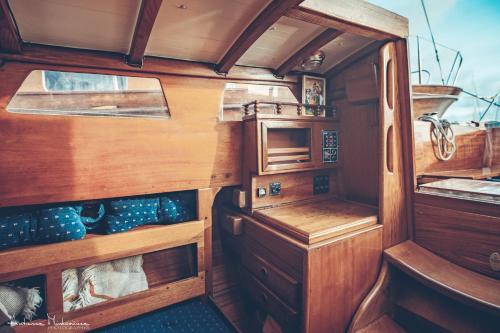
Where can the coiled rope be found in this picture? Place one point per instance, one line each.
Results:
(442, 136)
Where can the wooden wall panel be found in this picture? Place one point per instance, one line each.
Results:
(63, 158)
(349, 268)
(359, 132)
(465, 238)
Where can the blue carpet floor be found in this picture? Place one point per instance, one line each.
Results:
(188, 317)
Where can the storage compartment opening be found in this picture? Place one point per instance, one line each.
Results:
(59, 222)
(23, 300)
(288, 145)
(93, 284)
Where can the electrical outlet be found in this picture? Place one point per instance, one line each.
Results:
(275, 188)
(261, 192)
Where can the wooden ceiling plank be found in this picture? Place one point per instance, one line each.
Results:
(10, 41)
(321, 40)
(269, 16)
(143, 27)
(352, 59)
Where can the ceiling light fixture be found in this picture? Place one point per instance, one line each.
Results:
(181, 6)
(314, 61)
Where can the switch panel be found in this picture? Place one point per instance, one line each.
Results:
(330, 146)
(261, 192)
(321, 184)
(275, 188)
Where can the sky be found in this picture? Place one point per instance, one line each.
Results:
(469, 26)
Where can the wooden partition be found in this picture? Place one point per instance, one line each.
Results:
(372, 103)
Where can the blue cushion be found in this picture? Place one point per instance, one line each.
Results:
(125, 214)
(16, 228)
(178, 207)
(59, 224)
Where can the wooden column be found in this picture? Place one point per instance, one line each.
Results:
(206, 198)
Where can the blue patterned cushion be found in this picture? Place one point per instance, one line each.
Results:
(16, 228)
(178, 207)
(92, 221)
(59, 224)
(125, 214)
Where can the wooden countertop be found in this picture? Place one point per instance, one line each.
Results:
(479, 190)
(312, 222)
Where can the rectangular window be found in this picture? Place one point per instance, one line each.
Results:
(67, 93)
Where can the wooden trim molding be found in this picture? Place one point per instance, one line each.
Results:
(10, 41)
(272, 13)
(143, 27)
(100, 60)
(321, 40)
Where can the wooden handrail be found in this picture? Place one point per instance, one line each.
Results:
(317, 109)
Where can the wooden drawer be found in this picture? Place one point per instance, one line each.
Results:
(286, 287)
(268, 301)
(274, 247)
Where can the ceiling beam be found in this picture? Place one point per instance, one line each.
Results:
(321, 40)
(330, 21)
(272, 13)
(10, 41)
(353, 58)
(143, 27)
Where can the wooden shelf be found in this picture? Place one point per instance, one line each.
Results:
(288, 158)
(292, 150)
(38, 259)
(445, 277)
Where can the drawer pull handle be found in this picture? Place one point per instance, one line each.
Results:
(264, 272)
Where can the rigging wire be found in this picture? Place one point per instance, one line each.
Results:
(433, 41)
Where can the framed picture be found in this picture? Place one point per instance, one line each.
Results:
(313, 93)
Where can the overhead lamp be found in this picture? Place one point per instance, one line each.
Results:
(314, 61)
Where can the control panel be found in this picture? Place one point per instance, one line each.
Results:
(321, 184)
(330, 146)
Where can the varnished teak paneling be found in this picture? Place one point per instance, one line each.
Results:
(61, 158)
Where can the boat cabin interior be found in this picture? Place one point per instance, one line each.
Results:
(233, 166)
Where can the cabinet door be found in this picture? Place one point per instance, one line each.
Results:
(392, 198)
